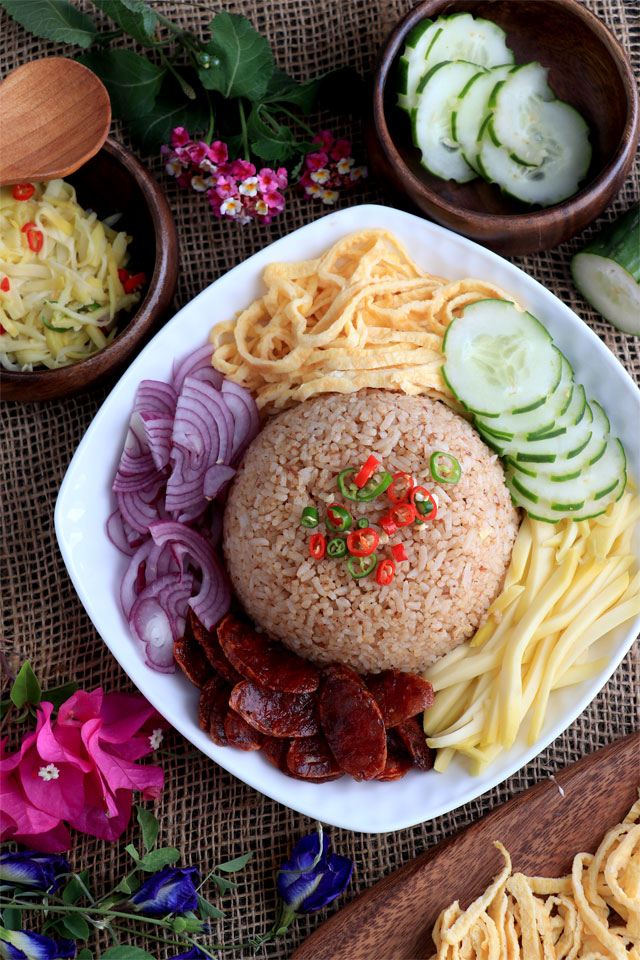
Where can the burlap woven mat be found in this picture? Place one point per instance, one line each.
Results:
(205, 811)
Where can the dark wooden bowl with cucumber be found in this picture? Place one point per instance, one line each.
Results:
(514, 124)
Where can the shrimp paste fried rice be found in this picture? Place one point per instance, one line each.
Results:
(456, 563)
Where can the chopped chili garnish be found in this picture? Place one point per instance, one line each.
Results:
(424, 503)
(35, 239)
(4, 285)
(385, 572)
(389, 525)
(444, 467)
(402, 514)
(366, 472)
(123, 275)
(317, 546)
(29, 226)
(360, 567)
(338, 518)
(399, 552)
(362, 543)
(23, 191)
(137, 280)
(362, 523)
(2, 330)
(374, 487)
(309, 517)
(400, 488)
(336, 547)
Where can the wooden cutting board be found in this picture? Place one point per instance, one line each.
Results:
(542, 828)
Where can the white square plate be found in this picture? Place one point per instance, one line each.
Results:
(96, 567)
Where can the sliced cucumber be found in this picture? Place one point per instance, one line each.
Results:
(518, 122)
(561, 170)
(499, 359)
(431, 120)
(471, 110)
(463, 37)
(411, 67)
(563, 470)
(534, 422)
(607, 272)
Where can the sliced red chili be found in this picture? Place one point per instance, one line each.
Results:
(366, 471)
(35, 239)
(403, 514)
(362, 543)
(29, 226)
(385, 573)
(2, 330)
(317, 546)
(23, 191)
(389, 525)
(401, 486)
(4, 284)
(399, 552)
(339, 520)
(424, 503)
(123, 275)
(137, 280)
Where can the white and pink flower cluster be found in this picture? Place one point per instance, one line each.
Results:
(330, 169)
(235, 188)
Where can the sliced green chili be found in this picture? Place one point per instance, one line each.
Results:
(310, 517)
(90, 307)
(338, 518)
(346, 485)
(374, 487)
(360, 567)
(336, 547)
(444, 467)
(362, 523)
(56, 329)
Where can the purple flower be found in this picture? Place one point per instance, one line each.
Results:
(40, 870)
(170, 891)
(312, 879)
(194, 954)
(24, 945)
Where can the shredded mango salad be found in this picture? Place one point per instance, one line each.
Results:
(62, 277)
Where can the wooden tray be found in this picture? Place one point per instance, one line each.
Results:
(542, 828)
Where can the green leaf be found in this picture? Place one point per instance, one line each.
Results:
(12, 918)
(131, 850)
(75, 889)
(208, 911)
(135, 17)
(77, 926)
(128, 884)
(275, 148)
(232, 865)
(222, 883)
(58, 695)
(149, 826)
(84, 954)
(54, 20)
(242, 61)
(26, 688)
(132, 82)
(284, 89)
(158, 859)
(126, 952)
(152, 129)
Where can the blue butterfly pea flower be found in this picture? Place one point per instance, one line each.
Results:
(312, 878)
(194, 954)
(170, 891)
(44, 871)
(24, 945)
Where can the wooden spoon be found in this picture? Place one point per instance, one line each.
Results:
(54, 115)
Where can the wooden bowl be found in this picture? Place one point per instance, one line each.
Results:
(587, 67)
(115, 181)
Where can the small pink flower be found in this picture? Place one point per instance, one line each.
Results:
(330, 196)
(226, 187)
(180, 137)
(321, 175)
(184, 179)
(314, 161)
(275, 202)
(219, 152)
(231, 207)
(283, 177)
(249, 187)
(262, 208)
(198, 184)
(326, 138)
(341, 149)
(344, 165)
(173, 167)
(215, 202)
(313, 190)
(269, 180)
(198, 152)
(241, 169)
(358, 173)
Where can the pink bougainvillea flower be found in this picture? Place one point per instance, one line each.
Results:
(325, 138)
(79, 769)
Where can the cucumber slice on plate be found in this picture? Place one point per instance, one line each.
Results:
(411, 67)
(469, 113)
(518, 122)
(562, 169)
(431, 120)
(463, 37)
(499, 359)
(563, 470)
(607, 272)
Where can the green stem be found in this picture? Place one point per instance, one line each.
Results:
(245, 138)
(211, 119)
(186, 88)
(69, 908)
(113, 936)
(296, 119)
(152, 936)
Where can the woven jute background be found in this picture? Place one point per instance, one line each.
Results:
(204, 811)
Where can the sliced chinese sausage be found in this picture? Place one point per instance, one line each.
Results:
(239, 733)
(205, 704)
(210, 645)
(353, 725)
(219, 691)
(399, 695)
(414, 739)
(264, 662)
(275, 750)
(335, 669)
(192, 661)
(275, 714)
(399, 760)
(311, 757)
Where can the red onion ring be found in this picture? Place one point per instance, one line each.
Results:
(198, 365)
(157, 618)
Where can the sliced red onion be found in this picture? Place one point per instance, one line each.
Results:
(154, 396)
(139, 508)
(214, 596)
(117, 534)
(137, 468)
(158, 432)
(158, 617)
(129, 587)
(245, 416)
(215, 479)
(148, 564)
(198, 365)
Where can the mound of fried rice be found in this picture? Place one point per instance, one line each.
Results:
(456, 563)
